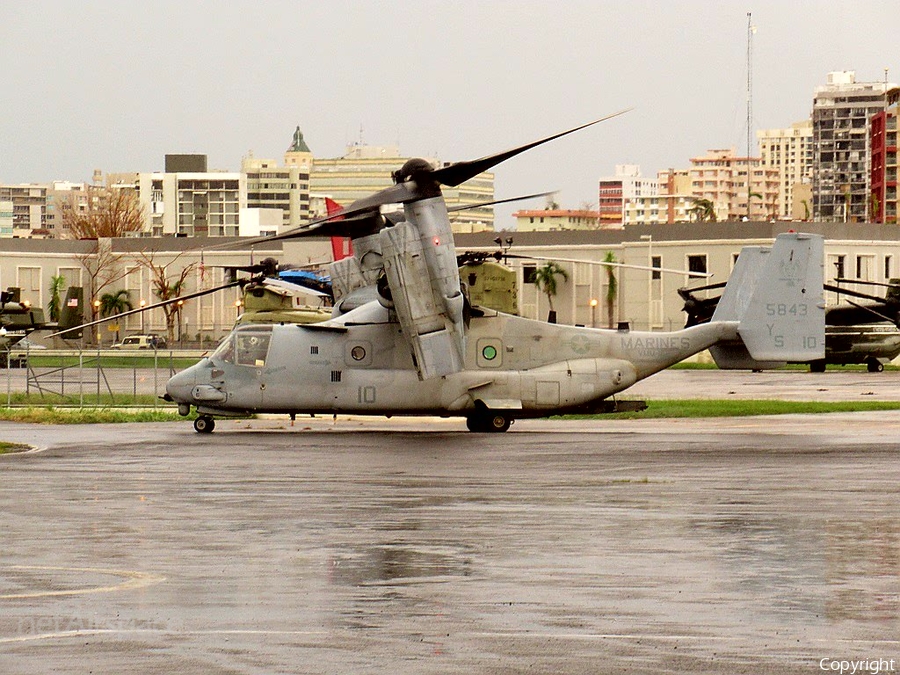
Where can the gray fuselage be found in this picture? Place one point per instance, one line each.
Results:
(359, 363)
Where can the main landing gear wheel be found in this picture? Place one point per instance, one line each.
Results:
(874, 366)
(204, 424)
(488, 422)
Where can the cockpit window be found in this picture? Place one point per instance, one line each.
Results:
(225, 350)
(247, 347)
(252, 349)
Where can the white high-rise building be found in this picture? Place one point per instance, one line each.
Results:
(616, 191)
(789, 152)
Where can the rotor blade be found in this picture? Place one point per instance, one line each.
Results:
(854, 294)
(870, 309)
(115, 317)
(865, 283)
(349, 222)
(334, 225)
(294, 288)
(463, 207)
(460, 172)
(296, 232)
(399, 193)
(703, 275)
(698, 289)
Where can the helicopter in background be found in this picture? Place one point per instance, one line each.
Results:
(866, 332)
(279, 293)
(18, 319)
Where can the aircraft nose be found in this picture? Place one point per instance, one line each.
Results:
(179, 386)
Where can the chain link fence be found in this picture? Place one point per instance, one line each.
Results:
(87, 378)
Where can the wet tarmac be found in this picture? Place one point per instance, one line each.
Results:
(759, 545)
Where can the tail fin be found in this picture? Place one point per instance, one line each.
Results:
(72, 312)
(777, 297)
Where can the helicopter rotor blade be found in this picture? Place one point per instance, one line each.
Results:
(116, 317)
(871, 310)
(865, 283)
(667, 270)
(853, 294)
(460, 172)
(464, 207)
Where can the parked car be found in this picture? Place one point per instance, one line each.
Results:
(27, 344)
(141, 342)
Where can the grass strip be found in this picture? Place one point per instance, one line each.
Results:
(6, 448)
(671, 408)
(50, 415)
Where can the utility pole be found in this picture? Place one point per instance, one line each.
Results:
(749, 104)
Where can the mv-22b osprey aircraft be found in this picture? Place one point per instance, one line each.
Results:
(403, 339)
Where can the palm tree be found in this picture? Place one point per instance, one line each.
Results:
(703, 210)
(55, 305)
(876, 208)
(112, 304)
(750, 196)
(612, 288)
(545, 281)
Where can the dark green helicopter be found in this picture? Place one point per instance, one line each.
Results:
(19, 318)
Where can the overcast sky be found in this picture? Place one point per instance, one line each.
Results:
(117, 85)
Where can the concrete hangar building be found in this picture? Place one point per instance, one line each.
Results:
(646, 298)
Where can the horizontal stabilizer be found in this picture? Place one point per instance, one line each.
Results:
(734, 356)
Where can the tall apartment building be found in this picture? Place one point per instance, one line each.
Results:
(29, 208)
(673, 203)
(660, 209)
(365, 169)
(790, 152)
(883, 141)
(730, 182)
(840, 179)
(186, 199)
(189, 200)
(615, 191)
(6, 218)
(62, 195)
(272, 187)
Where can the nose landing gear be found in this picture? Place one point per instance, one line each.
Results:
(204, 424)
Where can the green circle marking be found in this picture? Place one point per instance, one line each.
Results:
(489, 353)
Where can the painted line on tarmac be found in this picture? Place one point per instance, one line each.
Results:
(515, 635)
(62, 635)
(134, 580)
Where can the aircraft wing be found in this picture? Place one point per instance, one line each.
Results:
(429, 311)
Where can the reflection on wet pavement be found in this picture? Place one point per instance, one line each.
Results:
(703, 547)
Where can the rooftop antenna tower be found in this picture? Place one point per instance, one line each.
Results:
(750, 30)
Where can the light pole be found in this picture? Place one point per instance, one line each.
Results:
(649, 239)
(96, 315)
(594, 312)
(179, 306)
(504, 245)
(143, 304)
